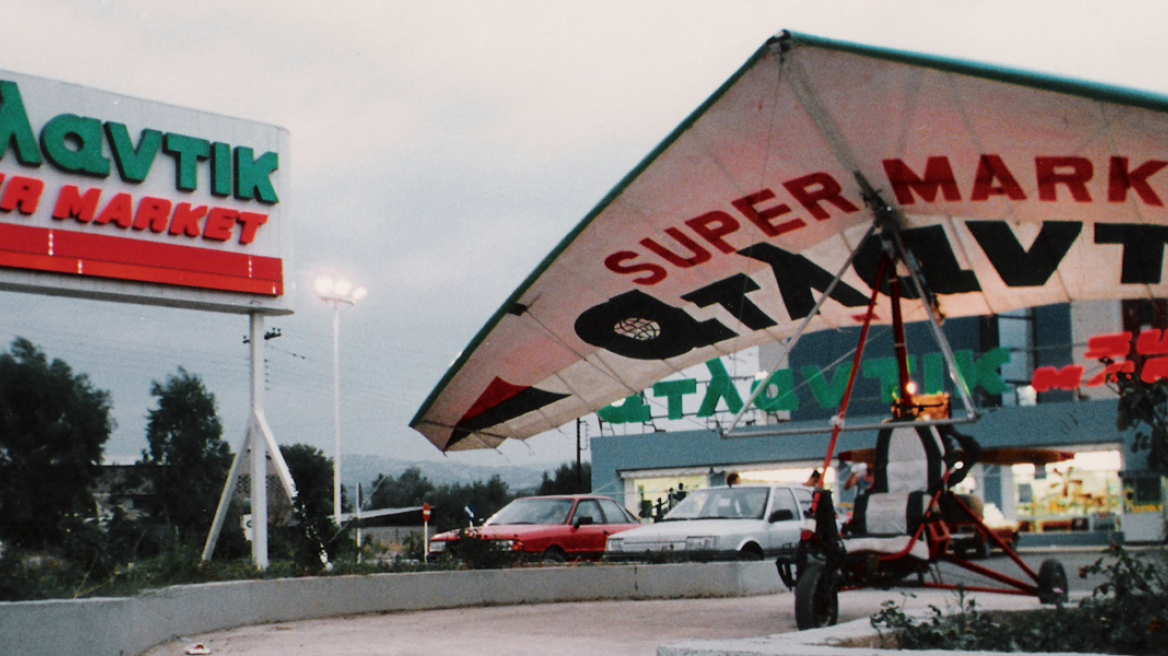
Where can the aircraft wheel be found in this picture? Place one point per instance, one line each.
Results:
(1052, 582)
(816, 599)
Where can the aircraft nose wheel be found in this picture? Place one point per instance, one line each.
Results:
(816, 598)
(1052, 582)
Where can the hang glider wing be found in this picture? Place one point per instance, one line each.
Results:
(1011, 189)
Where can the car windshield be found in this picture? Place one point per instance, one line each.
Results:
(533, 511)
(721, 503)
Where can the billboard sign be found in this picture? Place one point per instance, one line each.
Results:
(110, 197)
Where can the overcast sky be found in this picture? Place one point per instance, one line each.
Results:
(439, 151)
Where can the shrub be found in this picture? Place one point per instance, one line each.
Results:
(480, 554)
(1130, 611)
(1126, 615)
(414, 547)
(971, 629)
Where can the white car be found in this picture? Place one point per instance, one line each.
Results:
(744, 522)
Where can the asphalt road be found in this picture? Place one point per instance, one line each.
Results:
(634, 628)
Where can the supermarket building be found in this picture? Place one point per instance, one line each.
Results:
(669, 436)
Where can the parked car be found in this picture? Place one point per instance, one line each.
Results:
(550, 528)
(744, 522)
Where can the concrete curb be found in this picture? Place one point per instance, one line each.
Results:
(130, 626)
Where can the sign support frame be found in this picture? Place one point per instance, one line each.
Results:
(259, 442)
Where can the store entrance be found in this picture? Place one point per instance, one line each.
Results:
(1082, 494)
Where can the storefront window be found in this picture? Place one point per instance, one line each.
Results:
(1143, 508)
(1081, 494)
(1145, 494)
(657, 494)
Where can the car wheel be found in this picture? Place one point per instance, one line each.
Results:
(816, 599)
(1052, 582)
(554, 556)
(983, 548)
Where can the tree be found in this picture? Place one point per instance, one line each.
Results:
(53, 427)
(449, 501)
(566, 480)
(313, 474)
(313, 529)
(187, 460)
(412, 488)
(483, 498)
(1144, 407)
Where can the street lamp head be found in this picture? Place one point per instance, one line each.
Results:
(324, 286)
(338, 290)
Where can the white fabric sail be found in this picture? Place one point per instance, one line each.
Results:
(1011, 189)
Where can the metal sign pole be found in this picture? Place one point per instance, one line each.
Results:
(259, 449)
(258, 441)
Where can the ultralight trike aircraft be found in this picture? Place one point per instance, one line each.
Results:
(900, 526)
(824, 186)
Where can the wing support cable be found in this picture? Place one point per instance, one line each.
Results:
(794, 339)
(890, 220)
(897, 256)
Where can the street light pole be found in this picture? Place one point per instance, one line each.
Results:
(337, 410)
(337, 292)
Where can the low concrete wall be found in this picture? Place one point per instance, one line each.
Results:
(130, 626)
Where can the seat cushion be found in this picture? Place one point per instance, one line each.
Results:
(886, 514)
(887, 545)
(909, 458)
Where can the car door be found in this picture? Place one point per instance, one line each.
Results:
(589, 537)
(783, 534)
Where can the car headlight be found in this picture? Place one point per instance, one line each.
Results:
(506, 545)
(615, 544)
(701, 543)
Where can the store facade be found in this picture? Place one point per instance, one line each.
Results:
(1065, 474)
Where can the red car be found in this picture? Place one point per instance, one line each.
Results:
(551, 528)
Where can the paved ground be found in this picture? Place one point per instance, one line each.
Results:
(625, 628)
(621, 628)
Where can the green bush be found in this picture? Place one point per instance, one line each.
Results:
(82, 566)
(1126, 615)
(1130, 611)
(971, 629)
(414, 547)
(666, 557)
(479, 554)
(23, 577)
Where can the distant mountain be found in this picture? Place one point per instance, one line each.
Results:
(365, 469)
